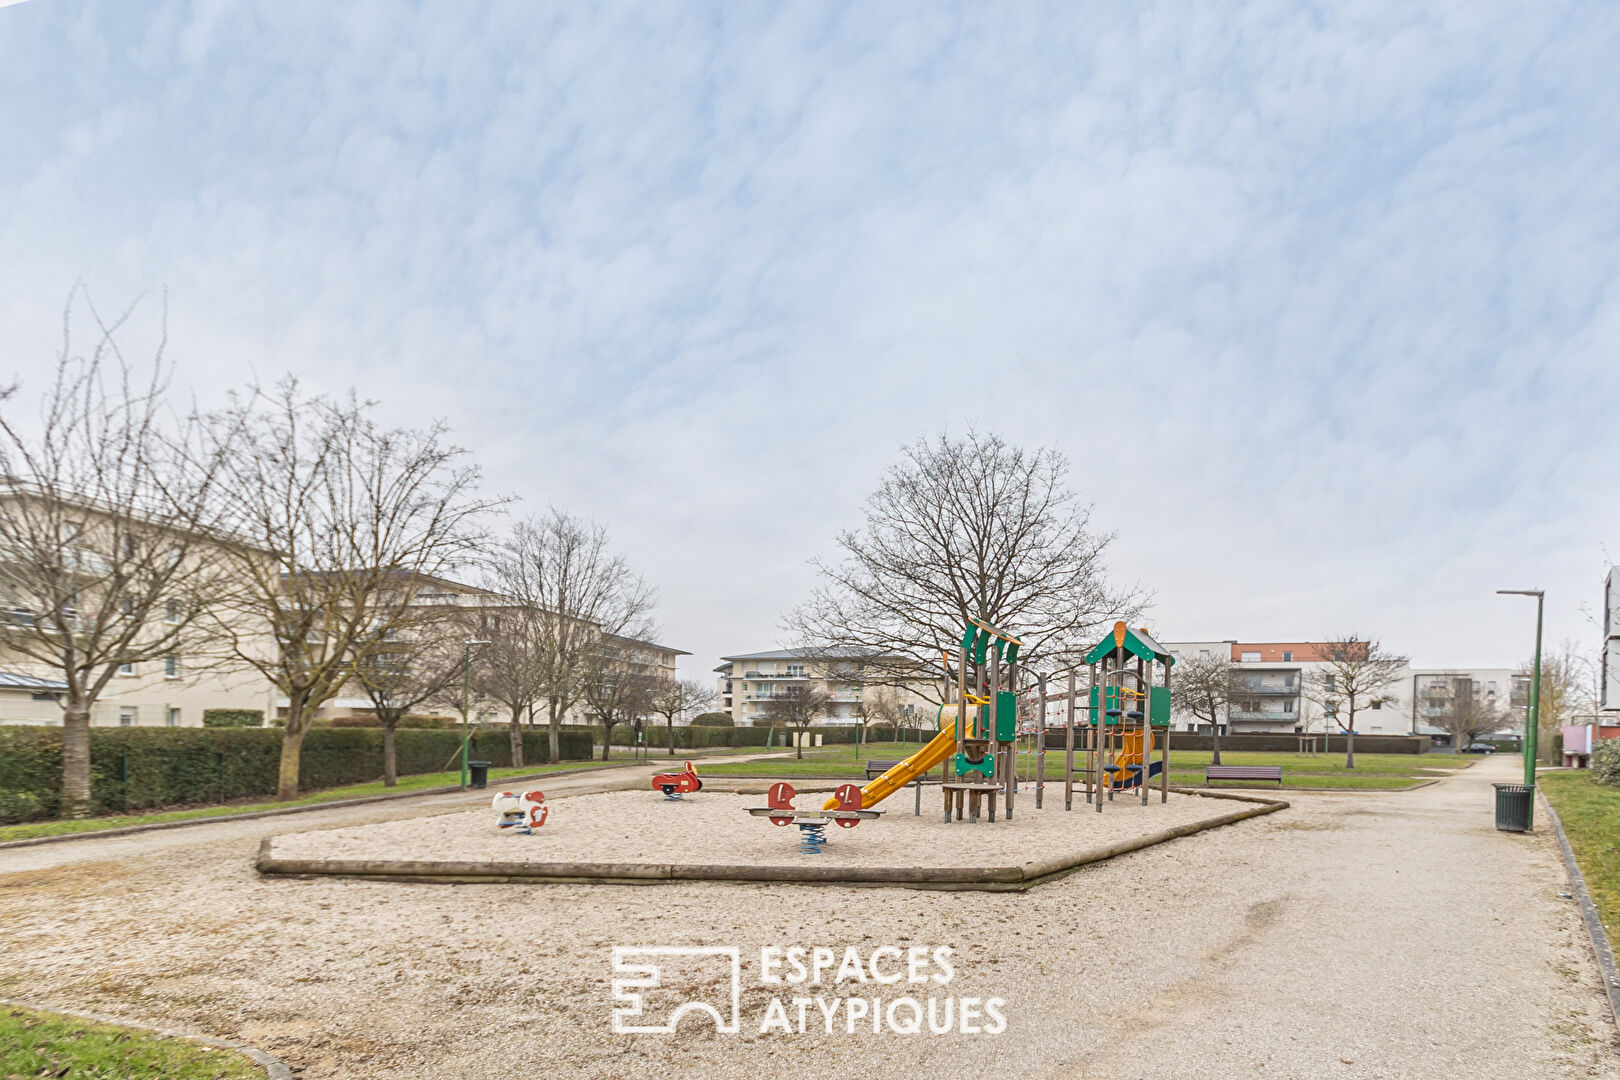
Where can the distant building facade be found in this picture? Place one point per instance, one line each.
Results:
(747, 682)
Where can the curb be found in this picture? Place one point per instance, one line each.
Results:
(1589, 914)
(274, 1067)
(946, 878)
(335, 804)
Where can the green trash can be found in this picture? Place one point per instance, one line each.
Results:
(479, 773)
(1513, 807)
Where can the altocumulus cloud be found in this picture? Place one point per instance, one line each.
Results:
(1320, 301)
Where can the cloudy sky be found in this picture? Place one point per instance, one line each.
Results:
(1320, 299)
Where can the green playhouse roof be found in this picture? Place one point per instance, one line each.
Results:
(1136, 642)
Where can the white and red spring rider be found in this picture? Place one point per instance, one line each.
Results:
(522, 813)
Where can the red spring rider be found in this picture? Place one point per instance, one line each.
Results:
(675, 785)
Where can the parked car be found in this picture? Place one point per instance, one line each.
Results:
(1479, 748)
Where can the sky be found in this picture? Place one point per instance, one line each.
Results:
(1321, 301)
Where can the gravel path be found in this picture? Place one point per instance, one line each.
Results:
(1381, 935)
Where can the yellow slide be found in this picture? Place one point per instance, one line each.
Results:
(939, 748)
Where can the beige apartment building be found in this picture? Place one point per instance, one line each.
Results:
(747, 682)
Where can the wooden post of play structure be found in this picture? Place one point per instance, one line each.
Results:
(1144, 683)
(1068, 747)
(1164, 754)
(1040, 742)
(998, 761)
(1102, 728)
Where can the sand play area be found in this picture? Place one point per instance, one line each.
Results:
(710, 835)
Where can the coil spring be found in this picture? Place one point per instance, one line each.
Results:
(812, 835)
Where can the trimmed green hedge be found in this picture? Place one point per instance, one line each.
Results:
(714, 719)
(696, 737)
(185, 766)
(233, 718)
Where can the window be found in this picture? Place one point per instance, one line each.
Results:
(1205, 654)
(174, 717)
(1288, 656)
(1288, 705)
(130, 547)
(1251, 658)
(126, 669)
(795, 671)
(1377, 705)
(128, 606)
(171, 666)
(126, 716)
(171, 611)
(1327, 682)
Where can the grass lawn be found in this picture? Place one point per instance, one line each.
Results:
(418, 782)
(43, 1044)
(1590, 812)
(1322, 773)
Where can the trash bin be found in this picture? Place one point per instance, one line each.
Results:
(1513, 807)
(479, 773)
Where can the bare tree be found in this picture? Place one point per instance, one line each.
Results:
(420, 660)
(511, 669)
(1570, 687)
(963, 527)
(1467, 717)
(108, 531)
(1205, 686)
(614, 692)
(680, 697)
(1355, 674)
(798, 707)
(878, 704)
(562, 571)
(357, 517)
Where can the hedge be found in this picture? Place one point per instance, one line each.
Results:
(698, 737)
(714, 719)
(185, 766)
(1606, 761)
(233, 718)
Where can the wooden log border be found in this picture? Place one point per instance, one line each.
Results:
(948, 878)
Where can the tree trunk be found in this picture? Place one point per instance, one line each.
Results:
(670, 725)
(799, 742)
(515, 736)
(607, 737)
(292, 746)
(1215, 741)
(76, 760)
(554, 742)
(1350, 743)
(390, 760)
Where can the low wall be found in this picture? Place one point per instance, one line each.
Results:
(1280, 742)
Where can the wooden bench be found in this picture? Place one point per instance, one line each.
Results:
(1243, 772)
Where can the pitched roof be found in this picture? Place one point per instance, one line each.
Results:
(11, 680)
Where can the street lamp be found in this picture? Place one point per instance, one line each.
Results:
(466, 696)
(1532, 716)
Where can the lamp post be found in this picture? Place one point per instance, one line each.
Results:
(1532, 716)
(466, 702)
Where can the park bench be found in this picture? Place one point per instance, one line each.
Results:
(1243, 772)
(876, 767)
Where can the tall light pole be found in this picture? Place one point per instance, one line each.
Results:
(1532, 717)
(466, 702)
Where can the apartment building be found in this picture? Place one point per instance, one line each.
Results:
(747, 682)
(1609, 676)
(1271, 678)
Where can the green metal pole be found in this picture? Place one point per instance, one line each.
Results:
(1532, 719)
(466, 694)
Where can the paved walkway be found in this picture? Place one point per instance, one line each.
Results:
(1355, 935)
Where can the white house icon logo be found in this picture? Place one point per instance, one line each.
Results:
(703, 979)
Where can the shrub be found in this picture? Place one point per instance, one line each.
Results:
(1606, 761)
(713, 719)
(142, 768)
(233, 718)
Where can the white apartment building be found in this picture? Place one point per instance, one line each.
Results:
(748, 681)
(1272, 679)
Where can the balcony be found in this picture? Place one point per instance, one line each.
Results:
(1258, 689)
(1268, 717)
